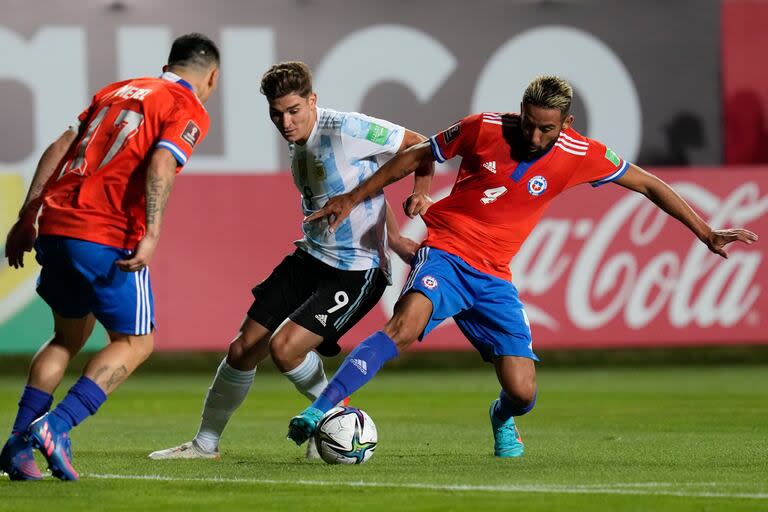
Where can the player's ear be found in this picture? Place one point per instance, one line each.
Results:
(312, 98)
(165, 68)
(213, 78)
(568, 122)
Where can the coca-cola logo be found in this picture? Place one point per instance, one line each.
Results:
(632, 263)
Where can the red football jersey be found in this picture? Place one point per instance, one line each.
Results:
(99, 195)
(497, 199)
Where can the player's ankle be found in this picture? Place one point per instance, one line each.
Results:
(206, 442)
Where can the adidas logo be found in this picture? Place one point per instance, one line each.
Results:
(491, 166)
(360, 365)
(322, 319)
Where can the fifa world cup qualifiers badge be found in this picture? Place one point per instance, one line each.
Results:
(191, 134)
(537, 185)
(451, 133)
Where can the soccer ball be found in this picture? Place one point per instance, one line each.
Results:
(346, 435)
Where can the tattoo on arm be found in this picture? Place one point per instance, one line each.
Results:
(158, 190)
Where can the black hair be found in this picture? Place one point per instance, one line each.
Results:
(193, 50)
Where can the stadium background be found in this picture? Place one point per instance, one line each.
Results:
(671, 86)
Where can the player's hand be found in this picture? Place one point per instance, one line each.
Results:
(719, 238)
(417, 204)
(335, 210)
(141, 258)
(21, 239)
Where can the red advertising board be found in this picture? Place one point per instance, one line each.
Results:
(604, 268)
(744, 81)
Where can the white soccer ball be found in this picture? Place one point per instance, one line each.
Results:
(346, 435)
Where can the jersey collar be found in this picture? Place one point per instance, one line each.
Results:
(173, 77)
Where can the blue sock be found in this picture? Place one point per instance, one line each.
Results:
(32, 404)
(83, 400)
(508, 407)
(357, 369)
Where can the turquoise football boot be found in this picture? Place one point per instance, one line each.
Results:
(506, 438)
(302, 426)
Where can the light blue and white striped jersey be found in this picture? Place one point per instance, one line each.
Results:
(343, 150)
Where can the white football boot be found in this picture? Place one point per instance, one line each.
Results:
(188, 450)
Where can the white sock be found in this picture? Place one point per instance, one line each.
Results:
(228, 390)
(309, 376)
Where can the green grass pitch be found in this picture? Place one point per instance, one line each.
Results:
(678, 439)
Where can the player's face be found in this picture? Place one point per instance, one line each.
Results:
(294, 116)
(542, 126)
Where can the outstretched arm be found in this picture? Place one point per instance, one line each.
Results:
(161, 174)
(338, 207)
(22, 235)
(670, 201)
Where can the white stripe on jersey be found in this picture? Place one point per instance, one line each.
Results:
(571, 145)
(436, 149)
(569, 150)
(575, 142)
(615, 175)
(174, 149)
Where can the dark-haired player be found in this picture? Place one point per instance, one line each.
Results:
(330, 281)
(103, 186)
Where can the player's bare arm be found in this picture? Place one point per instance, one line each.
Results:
(670, 201)
(161, 175)
(401, 165)
(22, 235)
(403, 246)
(419, 201)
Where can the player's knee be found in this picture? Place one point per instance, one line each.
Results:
(285, 354)
(72, 344)
(278, 349)
(236, 350)
(241, 347)
(144, 347)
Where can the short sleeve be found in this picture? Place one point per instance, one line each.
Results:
(364, 136)
(601, 165)
(458, 139)
(183, 129)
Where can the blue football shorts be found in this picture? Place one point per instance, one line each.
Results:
(80, 277)
(486, 308)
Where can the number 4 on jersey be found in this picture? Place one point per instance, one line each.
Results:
(493, 194)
